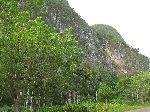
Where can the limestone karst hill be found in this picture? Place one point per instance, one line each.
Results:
(103, 46)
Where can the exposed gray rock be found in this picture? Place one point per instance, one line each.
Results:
(98, 50)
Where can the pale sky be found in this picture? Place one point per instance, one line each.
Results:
(130, 17)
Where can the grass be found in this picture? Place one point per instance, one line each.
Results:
(113, 107)
(124, 107)
(91, 107)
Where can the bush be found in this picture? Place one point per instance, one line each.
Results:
(68, 108)
(6, 109)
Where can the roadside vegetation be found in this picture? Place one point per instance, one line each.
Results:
(41, 71)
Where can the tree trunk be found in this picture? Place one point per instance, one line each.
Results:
(74, 97)
(78, 98)
(17, 105)
(27, 99)
(141, 96)
(31, 104)
(69, 97)
(96, 95)
(137, 96)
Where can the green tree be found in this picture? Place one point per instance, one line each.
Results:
(122, 87)
(106, 93)
(31, 53)
(139, 90)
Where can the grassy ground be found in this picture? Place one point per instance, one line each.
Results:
(91, 107)
(113, 107)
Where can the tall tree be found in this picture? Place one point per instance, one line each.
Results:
(31, 53)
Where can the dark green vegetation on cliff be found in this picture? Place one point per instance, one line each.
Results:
(108, 32)
(44, 62)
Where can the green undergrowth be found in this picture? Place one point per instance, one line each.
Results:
(113, 107)
(85, 107)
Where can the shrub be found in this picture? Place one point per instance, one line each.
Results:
(68, 108)
(6, 109)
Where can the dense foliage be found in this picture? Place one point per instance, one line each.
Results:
(37, 62)
(108, 32)
(139, 89)
(41, 70)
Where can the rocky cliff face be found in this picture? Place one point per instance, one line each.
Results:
(122, 58)
(99, 52)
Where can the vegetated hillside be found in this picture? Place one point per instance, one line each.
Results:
(125, 58)
(108, 32)
(103, 46)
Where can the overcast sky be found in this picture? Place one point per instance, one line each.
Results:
(130, 17)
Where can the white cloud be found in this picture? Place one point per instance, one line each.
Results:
(130, 17)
